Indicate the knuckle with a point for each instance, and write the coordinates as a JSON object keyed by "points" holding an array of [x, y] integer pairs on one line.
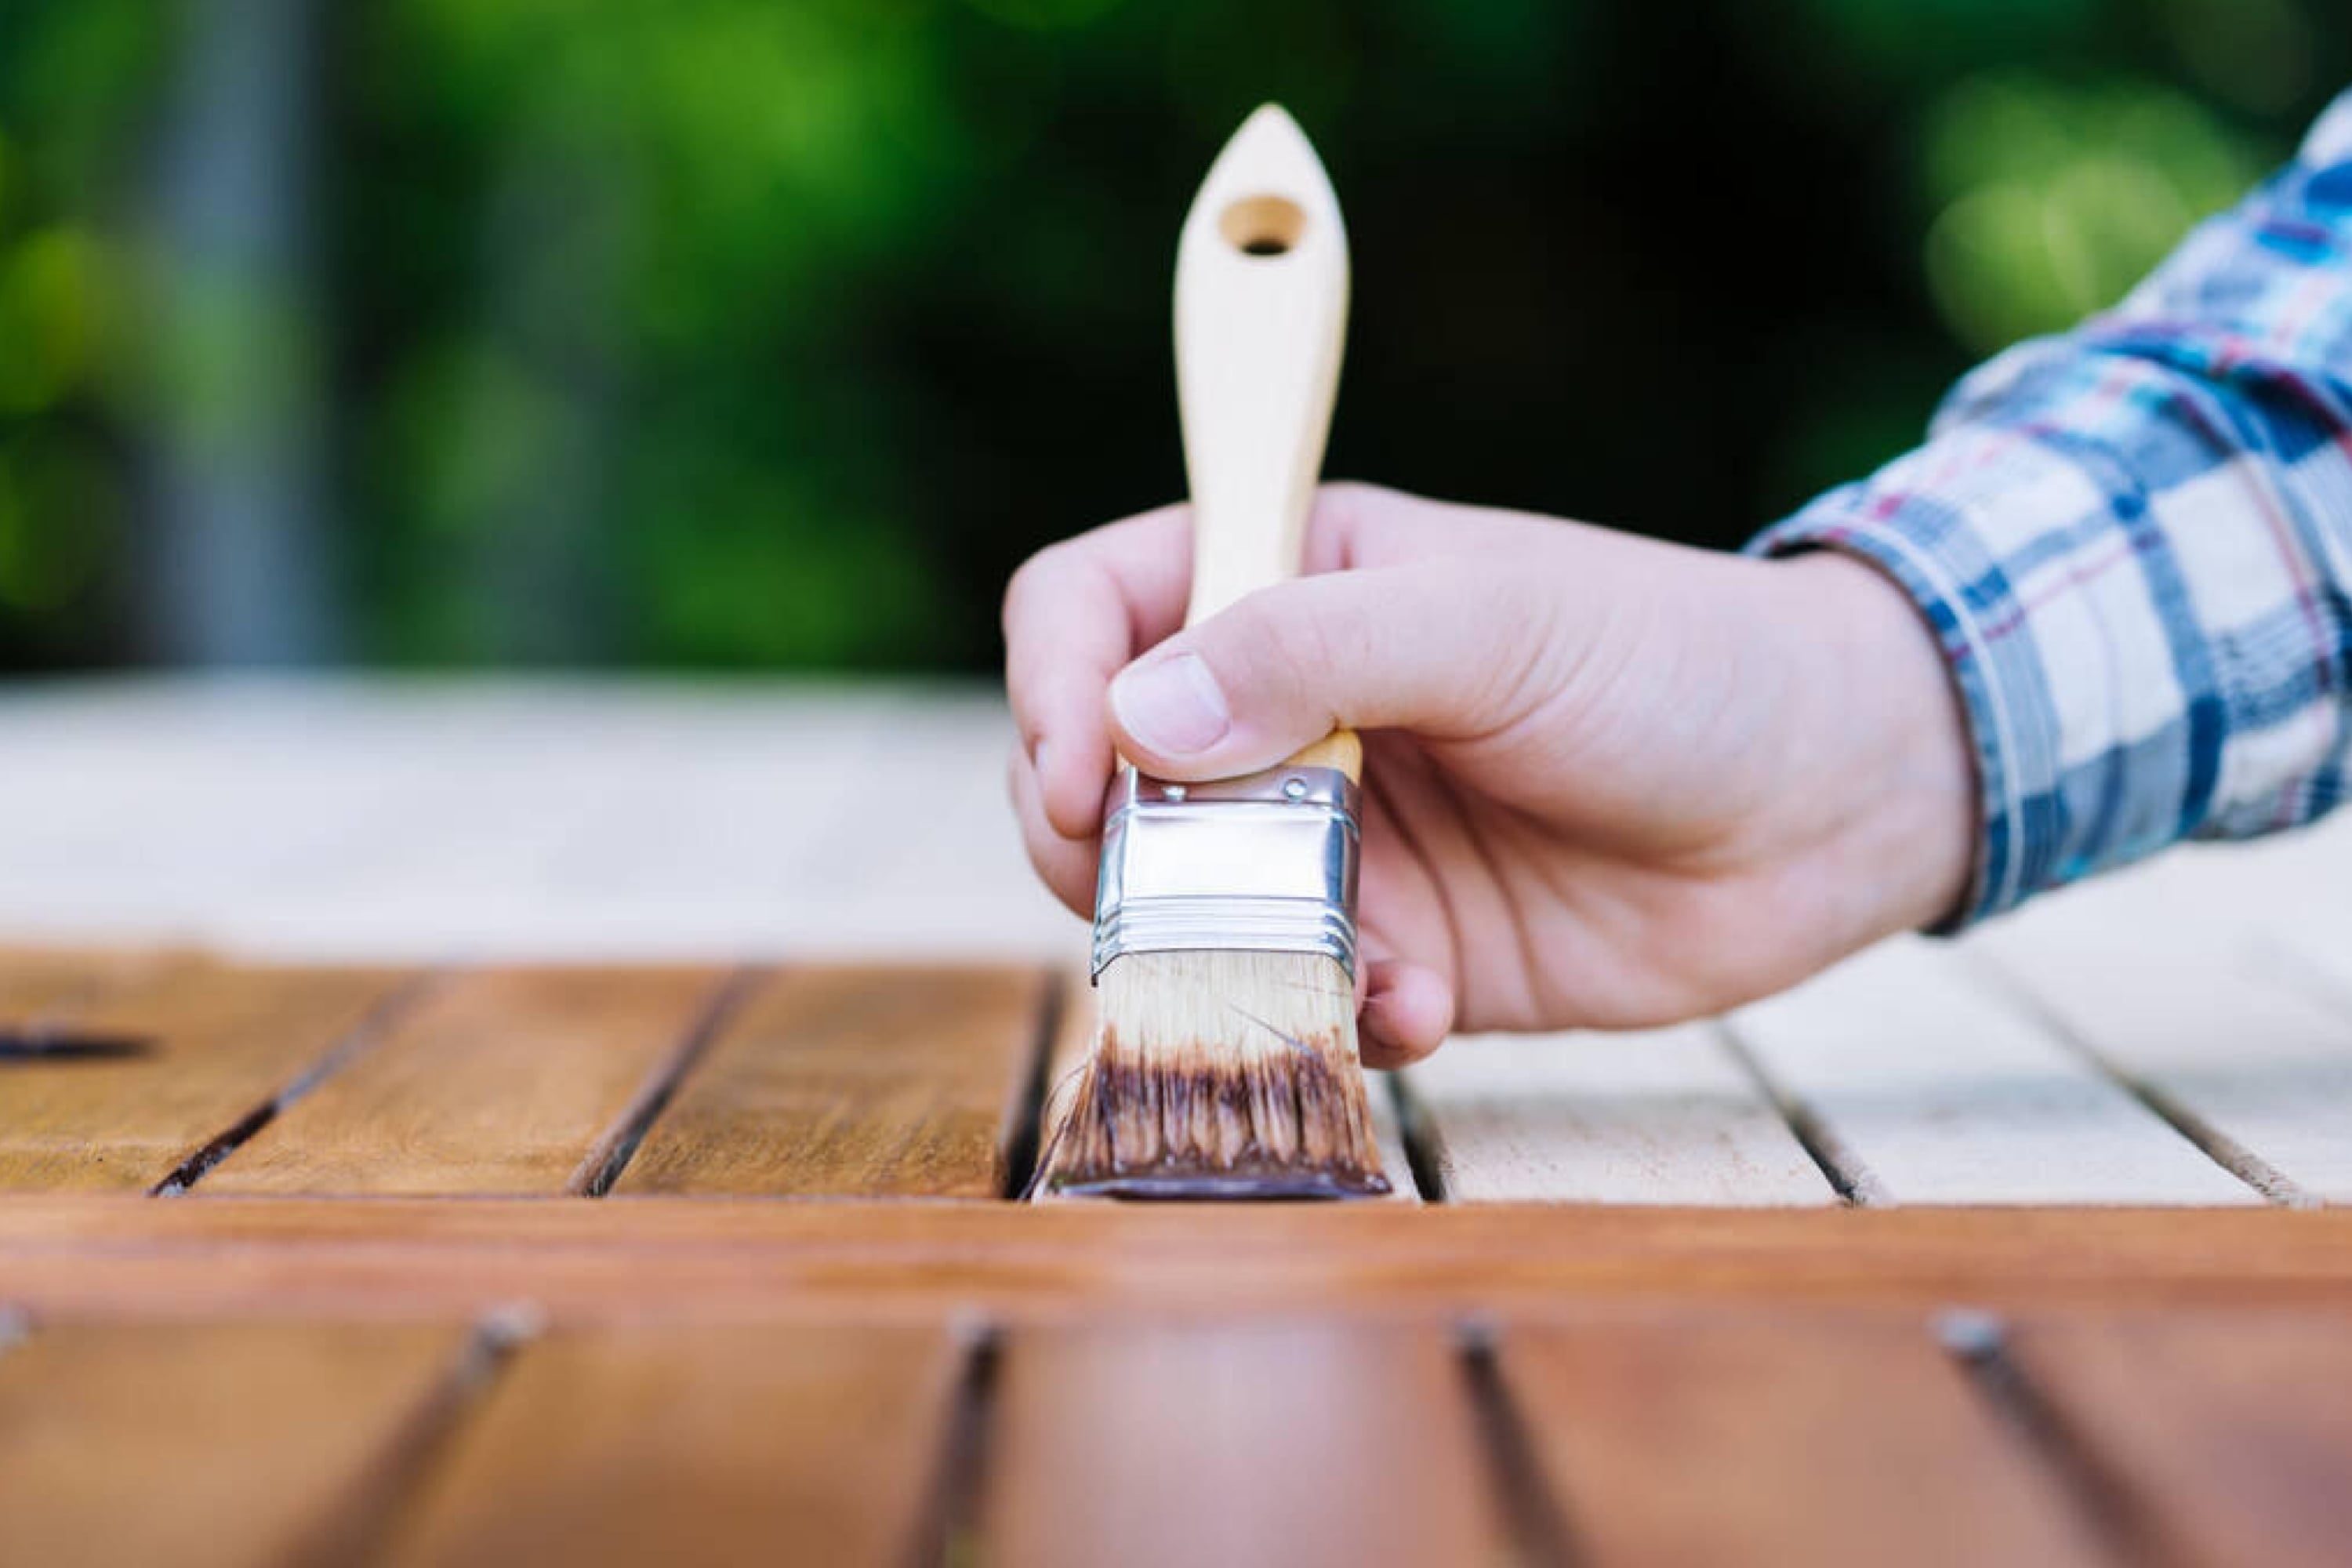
{"points": [[1350, 495], [1341, 511], [1047, 578], [1022, 588]]}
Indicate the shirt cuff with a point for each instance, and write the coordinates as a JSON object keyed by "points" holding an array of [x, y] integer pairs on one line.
{"points": [[1949, 546]]}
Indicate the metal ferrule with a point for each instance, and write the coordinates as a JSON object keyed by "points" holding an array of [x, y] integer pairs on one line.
{"points": [[1265, 863]]}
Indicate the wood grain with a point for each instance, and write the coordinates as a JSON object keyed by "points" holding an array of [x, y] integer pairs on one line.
{"points": [[810, 1444], [870, 1082], [2230, 1435], [502, 1082], [2258, 1070], [703, 1259], [1662, 1116], [1243, 1443], [1926, 1088], [226, 1042], [203, 1444], [1774, 1439], [44, 986]]}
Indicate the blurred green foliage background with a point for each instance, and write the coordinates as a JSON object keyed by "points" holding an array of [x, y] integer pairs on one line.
{"points": [[772, 333]]}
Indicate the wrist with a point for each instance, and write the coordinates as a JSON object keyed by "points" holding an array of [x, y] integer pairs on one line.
{"points": [[1889, 733]]}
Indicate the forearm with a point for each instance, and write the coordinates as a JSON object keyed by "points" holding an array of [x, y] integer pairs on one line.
{"points": [[2133, 546]]}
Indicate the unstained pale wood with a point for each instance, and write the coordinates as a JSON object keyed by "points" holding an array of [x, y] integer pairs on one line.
{"points": [[867, 1082], [204, 1445], [816, 1444], [1924, 1086], [1664, 1116], [2256, 1065], [1823, 1440], [1388, 1131], [226, 1042], [501, 1081], [2228, 1435], [1240, 1444], [330, 817]]}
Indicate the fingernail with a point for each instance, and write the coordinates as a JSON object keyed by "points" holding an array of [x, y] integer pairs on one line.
{"points": [[1172, 705]]}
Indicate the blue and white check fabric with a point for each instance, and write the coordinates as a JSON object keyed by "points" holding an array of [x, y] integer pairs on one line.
{"points": [[2135, 544]]}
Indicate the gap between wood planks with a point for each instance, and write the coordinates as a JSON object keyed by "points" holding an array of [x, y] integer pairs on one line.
{"points": [[358, 1526], [1024, 1137], [379, 1020], [1424, 1168], [950, 1520], [1538, 1526], [956, 1527], [1847, 1176], [1979, 1343], [2217, 1146], [610, 1155], [1535, 1517]]}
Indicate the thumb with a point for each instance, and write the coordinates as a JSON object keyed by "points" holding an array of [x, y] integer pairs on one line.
{"points": [[1443, 648]]}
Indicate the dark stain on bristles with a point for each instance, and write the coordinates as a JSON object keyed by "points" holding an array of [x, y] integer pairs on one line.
{"points": [[1193, 1123]]}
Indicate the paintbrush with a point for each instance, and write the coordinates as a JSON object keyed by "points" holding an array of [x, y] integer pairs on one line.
{"points": [[1224, 1063]]}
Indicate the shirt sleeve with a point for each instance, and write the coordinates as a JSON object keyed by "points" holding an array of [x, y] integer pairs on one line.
{"points": [[2134, 543]]}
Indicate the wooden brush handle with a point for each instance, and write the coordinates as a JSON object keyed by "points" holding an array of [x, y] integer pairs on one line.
{"points": [[1261, 311]]}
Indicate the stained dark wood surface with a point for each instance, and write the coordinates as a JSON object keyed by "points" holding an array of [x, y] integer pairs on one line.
{"points": [[1820, 1438], [715, 1259], [214, 1444], [1264, 1443], [506, 1081], [854, 1083], [2220, 1438], [209, 1053], [818, 1443], [709, 1264]]}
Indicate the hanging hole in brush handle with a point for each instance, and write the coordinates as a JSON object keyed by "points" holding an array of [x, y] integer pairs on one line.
{"points": [[1261, 317], [1262, 225]]}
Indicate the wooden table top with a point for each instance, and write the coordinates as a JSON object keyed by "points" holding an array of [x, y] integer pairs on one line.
{"points": [[405, 1234]]}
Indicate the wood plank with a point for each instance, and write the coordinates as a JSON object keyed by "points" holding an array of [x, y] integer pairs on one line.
{"points": [[196, 1446], [38, 987], [2260, 1070], [328, 818], [1823, 1439], [1926, 1088], [1077, 1024], [861, 1081], [1388, 1136], [2227, 1434], [1074, 1042], [226, 1042], [1281, 1435], [806, 1444], [709, 1259], [1659, 1116], [499, 1082]]}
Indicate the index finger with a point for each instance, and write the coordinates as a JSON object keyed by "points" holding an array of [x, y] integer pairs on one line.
{"points": [[1074, 614]]}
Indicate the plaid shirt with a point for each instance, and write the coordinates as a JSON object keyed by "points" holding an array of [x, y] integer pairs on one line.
{"points": [[2135, 544]]}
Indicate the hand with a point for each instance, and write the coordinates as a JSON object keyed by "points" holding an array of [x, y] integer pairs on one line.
{"points": [[1608, 781]]}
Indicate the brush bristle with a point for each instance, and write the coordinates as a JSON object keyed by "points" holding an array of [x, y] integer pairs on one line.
{"points": [[1218, 1074]]}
